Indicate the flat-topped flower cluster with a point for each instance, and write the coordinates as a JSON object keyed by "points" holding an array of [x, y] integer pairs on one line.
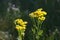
{"points": [[20, 24], [39, 13]]}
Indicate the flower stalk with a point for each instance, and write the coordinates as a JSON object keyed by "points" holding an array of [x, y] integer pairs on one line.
{"points": [[20, 26], [38, 18]]}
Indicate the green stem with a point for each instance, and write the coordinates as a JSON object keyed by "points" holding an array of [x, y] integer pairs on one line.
{"points": [[38, 23], [34, 21], [20, 35], [20, 38], [34, 25]]}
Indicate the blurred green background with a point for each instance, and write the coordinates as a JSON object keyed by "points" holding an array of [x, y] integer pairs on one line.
{"points": [[52, 22]]}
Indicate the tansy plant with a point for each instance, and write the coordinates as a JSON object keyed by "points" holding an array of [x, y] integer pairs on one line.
{"points": [[38, 17], [20, 26]]}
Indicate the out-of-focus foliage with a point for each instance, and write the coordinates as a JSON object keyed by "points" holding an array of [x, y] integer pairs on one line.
{"points": [[26, 6], [5, 36]]}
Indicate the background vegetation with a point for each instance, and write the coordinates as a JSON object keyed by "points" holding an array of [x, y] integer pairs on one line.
{"points": [[51, 25]]}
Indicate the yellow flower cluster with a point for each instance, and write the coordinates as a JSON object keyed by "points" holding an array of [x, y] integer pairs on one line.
{"points": [[22, 24], [39, 14]]}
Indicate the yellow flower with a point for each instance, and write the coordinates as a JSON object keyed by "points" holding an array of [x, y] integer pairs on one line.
{"points": [[20, 27], [22, 24], [20, 21], [45, 13], [41, 18], [40, 9], [38, 13], [32, 15], [25, 22]]}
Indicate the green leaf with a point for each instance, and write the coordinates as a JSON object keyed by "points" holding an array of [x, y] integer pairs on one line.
{"points": [[33, 30], [40, 32], [37, 37]]}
